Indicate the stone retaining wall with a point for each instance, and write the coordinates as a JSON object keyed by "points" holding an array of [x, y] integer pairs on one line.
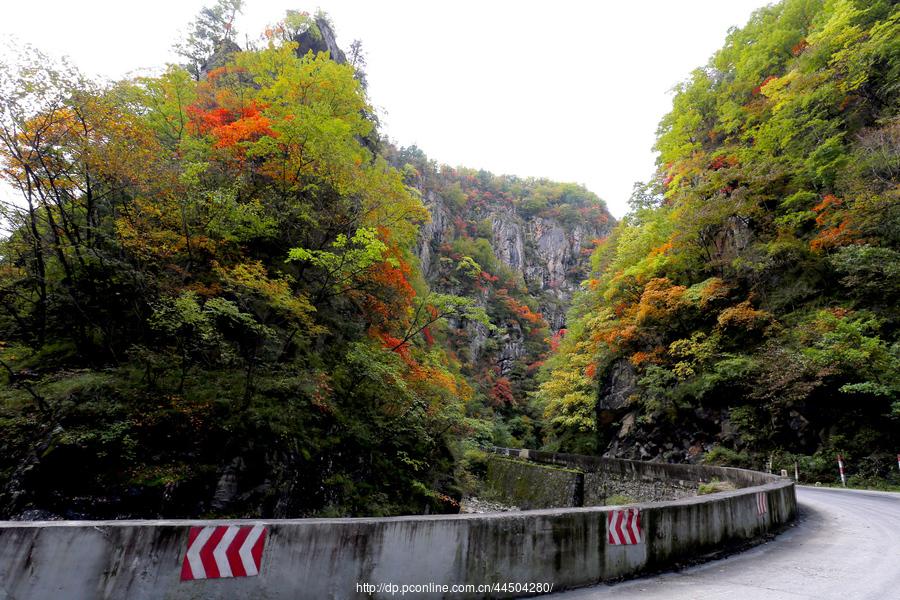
{"points": [[531, 485], [528, 485]]}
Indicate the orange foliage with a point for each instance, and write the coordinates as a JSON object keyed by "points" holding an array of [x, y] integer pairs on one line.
{"points": [[394, 344], [388, 307], [590, 371], [661, 249], [322, 393], [654, 356], [488, 277], [839, 311], [617, 337], [432, 376], [798, 48], [720, 162], [205, 290], [522, 310], [744, 317], [825, 207], [835, 223], [203, 121], [229, 127], [620, 308], [533, 367], [833, 237], [245, 129], [214, 74], [660, 300], [713, 291]]}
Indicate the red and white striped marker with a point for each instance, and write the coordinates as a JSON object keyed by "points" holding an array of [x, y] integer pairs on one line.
{"points": [[841, 469], [223, 551], [762, 503], [623, 527]]}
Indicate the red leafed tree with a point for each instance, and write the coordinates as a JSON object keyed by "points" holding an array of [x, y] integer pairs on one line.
{"points": [[501, 393]]}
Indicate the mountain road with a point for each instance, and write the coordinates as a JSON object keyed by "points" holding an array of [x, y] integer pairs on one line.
{"points": [[845, 545]]}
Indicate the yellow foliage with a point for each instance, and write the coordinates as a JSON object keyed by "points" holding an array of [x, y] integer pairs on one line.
{"points": [[253, 277]]}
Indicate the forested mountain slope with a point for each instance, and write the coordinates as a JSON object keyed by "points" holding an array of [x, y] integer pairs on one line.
{"points": [[748, 304], [520, 248], [224, 294]]}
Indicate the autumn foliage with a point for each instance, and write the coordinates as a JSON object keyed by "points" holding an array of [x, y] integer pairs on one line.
{"points": [[229, 246], [732, 304]]}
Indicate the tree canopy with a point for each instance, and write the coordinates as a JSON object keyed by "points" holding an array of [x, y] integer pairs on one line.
{"points": [[217, 266], [752, 290]]}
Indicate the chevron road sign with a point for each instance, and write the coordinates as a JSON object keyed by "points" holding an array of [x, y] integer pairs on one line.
{"points": [[223, 551], [762, 503], [623, 527]]}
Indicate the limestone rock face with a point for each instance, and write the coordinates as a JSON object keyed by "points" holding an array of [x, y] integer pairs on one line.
{"points": [[620, 384], [558, 262], [732, 239], [433, 233], [322, 40], [552, 257], [508, 239], [220, 57]]}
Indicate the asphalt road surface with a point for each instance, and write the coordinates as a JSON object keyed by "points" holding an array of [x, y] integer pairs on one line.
{"points": [[845, 546]]}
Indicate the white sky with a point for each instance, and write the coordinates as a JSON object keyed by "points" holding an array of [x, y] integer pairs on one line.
{"points": [[570, 90]]}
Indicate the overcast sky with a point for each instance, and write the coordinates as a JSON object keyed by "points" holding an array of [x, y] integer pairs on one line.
{"points": [[570, 90]]}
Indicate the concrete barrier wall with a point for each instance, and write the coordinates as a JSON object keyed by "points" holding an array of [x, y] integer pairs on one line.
{"points": [[327, 558]]}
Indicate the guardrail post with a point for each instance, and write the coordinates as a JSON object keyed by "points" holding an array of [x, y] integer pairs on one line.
{"points": [[841, 469]]}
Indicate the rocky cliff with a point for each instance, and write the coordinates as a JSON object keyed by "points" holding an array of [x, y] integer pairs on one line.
{"points": [[550, 254], [521, 248]]}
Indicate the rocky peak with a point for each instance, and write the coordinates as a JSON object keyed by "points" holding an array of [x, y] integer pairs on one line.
{"points": [[320, 38]]}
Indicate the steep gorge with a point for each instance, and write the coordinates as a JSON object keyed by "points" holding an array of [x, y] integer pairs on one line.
{"points": [[521, 248]]}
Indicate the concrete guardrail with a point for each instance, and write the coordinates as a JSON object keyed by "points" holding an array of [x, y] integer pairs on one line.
{"points": [[514, 553]]}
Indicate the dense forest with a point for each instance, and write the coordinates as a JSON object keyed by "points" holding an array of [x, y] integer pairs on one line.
{"points": [[213, 298], [211, 305], [223, 292], [746, 309]]}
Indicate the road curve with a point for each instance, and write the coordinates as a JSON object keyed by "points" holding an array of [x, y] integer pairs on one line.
{"points": [[844, 546]]}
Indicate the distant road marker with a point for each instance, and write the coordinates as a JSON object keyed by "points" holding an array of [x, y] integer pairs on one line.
{"points": [[762, 503], [841, 470]]}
